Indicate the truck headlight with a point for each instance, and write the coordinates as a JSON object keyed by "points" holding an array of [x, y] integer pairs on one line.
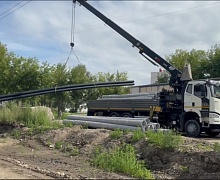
{"points": [[214, 115]]}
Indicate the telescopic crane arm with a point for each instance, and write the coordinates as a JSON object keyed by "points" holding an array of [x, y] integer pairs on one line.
{"points": [[143, 49]]}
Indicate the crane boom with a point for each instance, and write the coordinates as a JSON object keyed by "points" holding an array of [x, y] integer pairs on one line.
{"points": [[146, 52]]}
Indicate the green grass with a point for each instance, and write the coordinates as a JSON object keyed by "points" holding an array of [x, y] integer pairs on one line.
{"points": [[184, 168], [58, 145], [126, 131], [26, 116], [165, 140], [121, 159], [37, 120], [138, 135], [68, 124], [216, 147], [16, 133], [74, 151], [116, 134]]}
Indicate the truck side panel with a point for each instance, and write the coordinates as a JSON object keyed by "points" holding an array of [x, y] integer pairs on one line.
{"points": [[122, 105]]}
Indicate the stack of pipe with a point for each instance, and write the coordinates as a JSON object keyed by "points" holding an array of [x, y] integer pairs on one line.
{"points": [[113, 122], [130, 96]]}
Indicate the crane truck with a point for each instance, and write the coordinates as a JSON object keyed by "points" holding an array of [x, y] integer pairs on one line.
{"points": [[192, 107]]}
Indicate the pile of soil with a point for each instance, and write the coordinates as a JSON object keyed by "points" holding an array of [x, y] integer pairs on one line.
{"points": [[49, 155]]}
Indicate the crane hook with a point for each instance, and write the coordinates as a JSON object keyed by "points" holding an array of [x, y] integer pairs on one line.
{"points": [[72, 44]]}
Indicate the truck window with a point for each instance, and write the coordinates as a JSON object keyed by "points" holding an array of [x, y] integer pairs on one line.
{"points": [[200, 90], [189, 89]]}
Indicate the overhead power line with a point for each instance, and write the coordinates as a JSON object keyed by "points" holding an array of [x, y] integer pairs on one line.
{"points": [[94, 28], [11, 8], [173, 12], [15, 10]]}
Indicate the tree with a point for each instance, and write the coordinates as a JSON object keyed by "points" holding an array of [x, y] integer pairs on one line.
{"points": [[79, 75], [163, 78], [60, 76], [213, 65], [108, 77], [6, 68], [196, 58], [22, 74], [46, 81]]}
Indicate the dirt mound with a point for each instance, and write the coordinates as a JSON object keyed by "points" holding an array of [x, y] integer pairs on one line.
{"points": [[84, 139], [195, 159], [71, 147]]}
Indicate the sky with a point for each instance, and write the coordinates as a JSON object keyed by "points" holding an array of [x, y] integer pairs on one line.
{"points": [[42, 29]]}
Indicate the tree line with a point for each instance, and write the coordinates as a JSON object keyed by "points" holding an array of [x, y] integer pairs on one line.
{"points": [[22, 74], [204, 64]]}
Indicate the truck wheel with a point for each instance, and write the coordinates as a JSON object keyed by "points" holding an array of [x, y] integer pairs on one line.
{"points": [[114, 114], [211, 134], [192, 128], [128, 115]]}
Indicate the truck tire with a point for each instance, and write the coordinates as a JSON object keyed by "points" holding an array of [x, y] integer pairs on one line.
{"points": [[210, 133], [114, 114], [192, 128], [127, 115]]}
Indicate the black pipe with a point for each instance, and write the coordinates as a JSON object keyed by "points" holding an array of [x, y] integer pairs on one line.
{"points": [[63, 87], [26, 94]]}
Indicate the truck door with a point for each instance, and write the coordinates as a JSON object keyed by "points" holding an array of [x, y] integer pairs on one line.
{"points": [[195, 98]]}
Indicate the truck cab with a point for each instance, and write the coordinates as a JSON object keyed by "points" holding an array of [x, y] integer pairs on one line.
{"points": [[201, 108]]}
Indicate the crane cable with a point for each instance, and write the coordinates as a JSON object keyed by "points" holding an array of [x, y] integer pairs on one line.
{"points": [[72, 33], [73, 24]]}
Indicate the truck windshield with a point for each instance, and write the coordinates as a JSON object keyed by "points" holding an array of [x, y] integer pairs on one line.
{"points": [[216, 91]]}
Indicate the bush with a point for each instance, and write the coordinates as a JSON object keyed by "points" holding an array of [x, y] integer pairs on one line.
{"points": [[58, 145], [16, 133], [121, 159], [138, 135], [164, 140], [32, 118], [216, 147], [116, 134]]}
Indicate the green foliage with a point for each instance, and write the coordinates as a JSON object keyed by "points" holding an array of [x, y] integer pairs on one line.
{"points": [[165, 140], [32, 118], [138, 135], [107, 77], [195, 58], [213, 65], [163, 78], [203, 63], [58, 145], [16, 133], [68, 124], [204, 147], [74, 151], [126, 131], [216, 147], [116, 134], [85, 126], [21, 74], [121, 159], [184, 168]]}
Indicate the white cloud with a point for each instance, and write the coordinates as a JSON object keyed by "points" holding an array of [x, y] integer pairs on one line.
{"points": [[42, 29]]}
